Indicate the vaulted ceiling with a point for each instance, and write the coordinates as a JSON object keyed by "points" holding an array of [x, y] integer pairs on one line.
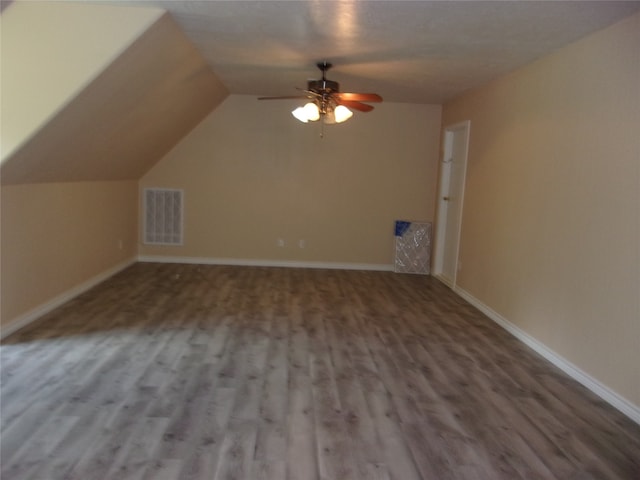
{"points": [[121, 115]]}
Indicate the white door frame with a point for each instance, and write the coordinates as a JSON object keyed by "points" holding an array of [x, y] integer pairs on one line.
{"points": [[442, 204]]}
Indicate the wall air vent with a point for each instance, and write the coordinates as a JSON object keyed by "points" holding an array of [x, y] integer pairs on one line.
{"points": [[163, 216]]}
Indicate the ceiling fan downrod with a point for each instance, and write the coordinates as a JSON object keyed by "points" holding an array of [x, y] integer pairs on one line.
{"points": [[323, 86]]}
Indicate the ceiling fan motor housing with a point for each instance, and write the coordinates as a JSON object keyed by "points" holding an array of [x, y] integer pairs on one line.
{"points": [[323, 86]]}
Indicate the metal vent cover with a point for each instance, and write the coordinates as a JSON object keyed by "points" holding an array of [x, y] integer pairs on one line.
{"points": [[163, 214]]}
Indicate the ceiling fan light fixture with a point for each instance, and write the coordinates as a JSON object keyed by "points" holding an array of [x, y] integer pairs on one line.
{"points": [[342, 114], [308, 113], [312, 111], [329, 117], [300, 114], [326, 103]]}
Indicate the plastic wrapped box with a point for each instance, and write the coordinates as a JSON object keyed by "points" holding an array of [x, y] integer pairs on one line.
{"points": [[413, 247]]}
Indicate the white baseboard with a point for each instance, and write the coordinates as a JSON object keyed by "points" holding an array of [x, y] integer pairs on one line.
{"points": [[266, 263], [614, 399], [26, 318]]}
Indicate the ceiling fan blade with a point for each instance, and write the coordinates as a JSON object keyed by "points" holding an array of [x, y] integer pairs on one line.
{"points": [[363, 107], [311, 93], [360, 97], [283, 98]]}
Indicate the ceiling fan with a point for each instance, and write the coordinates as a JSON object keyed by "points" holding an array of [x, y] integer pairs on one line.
{"points": [[326, 102]]}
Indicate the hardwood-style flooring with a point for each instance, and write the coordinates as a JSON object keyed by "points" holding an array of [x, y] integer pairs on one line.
{"points": [[191, 372]]}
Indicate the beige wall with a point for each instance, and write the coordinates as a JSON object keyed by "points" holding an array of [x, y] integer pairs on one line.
{"points": [[57, 236], [550, 234], [253, 174]]}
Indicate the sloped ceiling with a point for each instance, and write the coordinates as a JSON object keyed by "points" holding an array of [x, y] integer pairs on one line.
{"points": [[126, 118]]}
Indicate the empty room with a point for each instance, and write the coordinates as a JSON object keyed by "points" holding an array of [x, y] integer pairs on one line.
{"points": [[319, 240]]}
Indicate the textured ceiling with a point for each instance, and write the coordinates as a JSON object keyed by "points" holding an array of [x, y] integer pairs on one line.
{"points": [[415, 51]]}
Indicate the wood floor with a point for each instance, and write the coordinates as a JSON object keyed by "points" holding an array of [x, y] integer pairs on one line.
{"points": [[214, 372]]}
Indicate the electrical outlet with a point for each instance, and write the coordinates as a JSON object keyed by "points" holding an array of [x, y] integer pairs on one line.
{"points": [[280, 242], [302, 243]]}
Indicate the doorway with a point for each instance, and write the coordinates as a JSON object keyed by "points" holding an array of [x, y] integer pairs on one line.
{"points": [[453, 169]]}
